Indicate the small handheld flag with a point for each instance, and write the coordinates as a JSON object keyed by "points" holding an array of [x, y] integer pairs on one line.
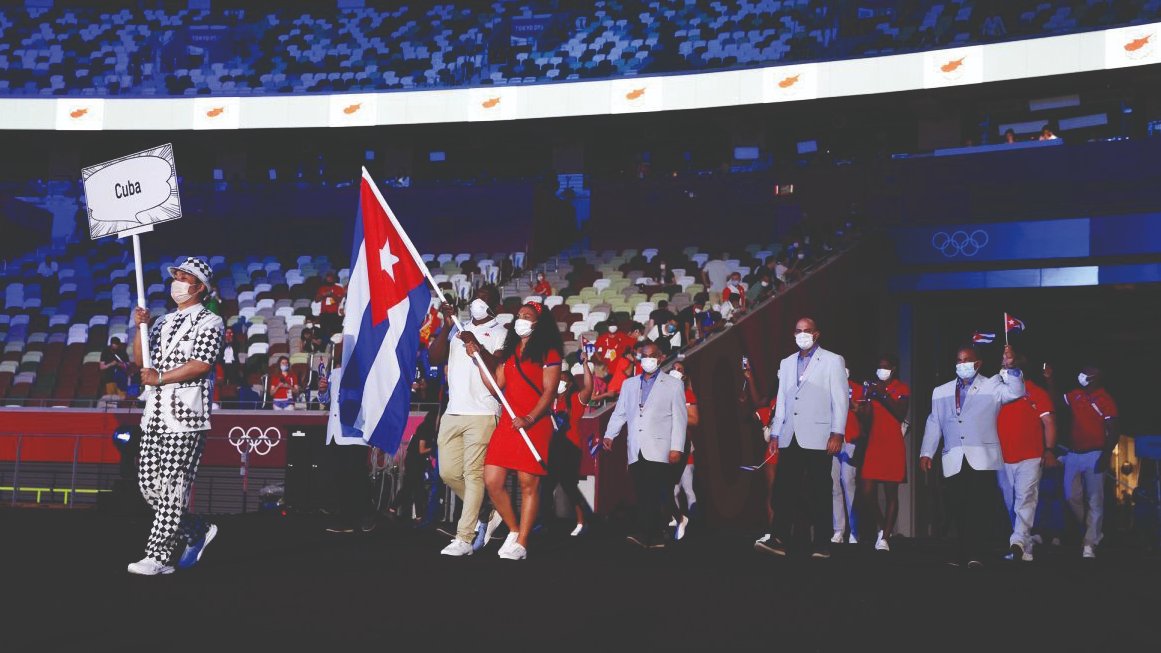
{"points": [[1012, 325], [981, 338]]}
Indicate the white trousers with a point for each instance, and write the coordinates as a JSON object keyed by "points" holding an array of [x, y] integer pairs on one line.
{"points": [[1020, 485], [842, 492], [686, 485], [1084, 488]]}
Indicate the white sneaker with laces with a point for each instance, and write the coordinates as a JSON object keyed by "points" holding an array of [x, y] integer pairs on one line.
{"points": [[458, 548], [881, 543], [149, 567], [493, 524], [1088, 552], [681, 528], [514, 552], [837, 538]]}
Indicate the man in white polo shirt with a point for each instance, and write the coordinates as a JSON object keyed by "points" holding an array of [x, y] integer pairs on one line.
{"points": [[472, 410]]}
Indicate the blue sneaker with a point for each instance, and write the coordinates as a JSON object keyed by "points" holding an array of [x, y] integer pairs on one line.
{"points": [[193, 552], [481, 539]]}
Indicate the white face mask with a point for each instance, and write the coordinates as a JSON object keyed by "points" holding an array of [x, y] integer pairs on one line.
{"points": [[804, 340], [522, 327], [640, 338], [801, 255], [662, 266], [179, 291], [613, 329], [965, 371], [733, 283], [649, 365], [561, 387], [1082, 379], [478, 309], [285, 368], [677, 375], [883, 374]]}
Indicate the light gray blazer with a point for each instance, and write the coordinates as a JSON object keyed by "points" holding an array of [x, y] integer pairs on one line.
{"points": [[972, 433], [656, 428], [812, 410]]}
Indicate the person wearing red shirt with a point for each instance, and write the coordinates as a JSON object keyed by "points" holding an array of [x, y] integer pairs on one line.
{"points": [[541, 287], [764, 413], [684, 481], [1027, 430], [564, 453], [843, 472], [283, 386], [330, 295], [885, 461], [528, 374], [609, 344], [1094, 434]]}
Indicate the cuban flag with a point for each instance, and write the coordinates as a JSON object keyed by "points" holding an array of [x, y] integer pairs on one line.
{"points": [[1012, 325], [387, 302], [981, 338]]}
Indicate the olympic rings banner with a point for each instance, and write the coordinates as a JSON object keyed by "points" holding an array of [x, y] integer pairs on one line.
{"points": [[994, 241]]}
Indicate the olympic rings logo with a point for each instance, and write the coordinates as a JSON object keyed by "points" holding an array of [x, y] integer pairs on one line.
{"points": [[255, 439], [960, 242]]}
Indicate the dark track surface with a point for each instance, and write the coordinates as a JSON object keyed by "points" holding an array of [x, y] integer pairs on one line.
{"points": [[271, 583]]}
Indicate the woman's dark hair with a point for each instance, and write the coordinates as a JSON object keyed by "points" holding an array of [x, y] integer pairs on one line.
{"points": [[545, 338], [893, 359]]}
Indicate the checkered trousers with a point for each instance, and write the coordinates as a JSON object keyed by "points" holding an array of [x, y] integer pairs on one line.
{"points": [[166, 470]]}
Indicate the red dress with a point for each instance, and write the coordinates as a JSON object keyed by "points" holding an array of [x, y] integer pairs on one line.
{"points": [[886, 458], [507, 448]]}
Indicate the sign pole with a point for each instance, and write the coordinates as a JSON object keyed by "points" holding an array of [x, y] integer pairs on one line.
{"points": [[143, 328]]}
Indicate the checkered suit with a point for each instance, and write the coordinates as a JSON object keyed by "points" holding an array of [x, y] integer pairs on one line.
{"points": [[174, 423]]}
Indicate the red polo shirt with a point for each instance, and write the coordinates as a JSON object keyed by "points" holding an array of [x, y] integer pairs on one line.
{"points": [[1020, 424], [1089, 412]]}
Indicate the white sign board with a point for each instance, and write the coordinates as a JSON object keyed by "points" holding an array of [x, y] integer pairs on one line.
{"points": [[131, 194]]}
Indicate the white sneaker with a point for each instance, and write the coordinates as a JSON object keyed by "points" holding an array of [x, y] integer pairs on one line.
{"points": [[881, 543], [1088, 552], [149, 567], [514, 552], [493, 524], [1027, 557], [673, 522], [458, 548], [681, 528], [837, 538], [852, 539], [578, 531], [762, 540], [508, 542]]}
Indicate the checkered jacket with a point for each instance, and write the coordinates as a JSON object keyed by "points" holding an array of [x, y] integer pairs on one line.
{"points": [[180, 407]]}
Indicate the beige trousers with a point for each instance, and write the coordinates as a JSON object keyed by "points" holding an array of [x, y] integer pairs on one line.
{"points": [[463, 441]]}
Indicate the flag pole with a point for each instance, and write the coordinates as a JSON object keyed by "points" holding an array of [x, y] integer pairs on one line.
{"points": [[1005, 329], [491, 380]]}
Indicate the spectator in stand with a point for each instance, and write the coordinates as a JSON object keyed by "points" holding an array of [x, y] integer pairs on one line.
{"points": [[608, 344], [731, 307], [114, 369], [734, 286], [1009, 136], [541, 287], [48, 267], [667, 336], [662, 314], [1047, 133], [761, 289], [564, 453], [331, 295], [664, 275], [312, 339], [696, 318], [528, 375], [1027, 429], [715, 274], [1095, 432], [621, 369], [231, 363], [283, 386], [885, 462]]}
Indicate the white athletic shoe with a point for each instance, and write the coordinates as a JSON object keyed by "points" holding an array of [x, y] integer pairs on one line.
{"points": [[837, 538], [493, 524], [853, 539], [514, 552], [508, 542], [681, 528], [762, 540], [1088, 552], [149, 567], [673, 523], [1027, 557], [458, 548], [881, 543], [578, 531]]}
